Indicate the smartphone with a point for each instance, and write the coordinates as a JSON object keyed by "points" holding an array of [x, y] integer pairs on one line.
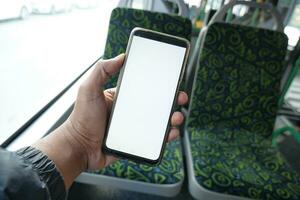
{"points": [[146, 93]]}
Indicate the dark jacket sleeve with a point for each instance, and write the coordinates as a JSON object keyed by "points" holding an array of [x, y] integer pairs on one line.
{"points": [[29, 174]]}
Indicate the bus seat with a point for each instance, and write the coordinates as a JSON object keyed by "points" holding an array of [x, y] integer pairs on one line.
{"points": [[166, 178], [219, 16], [228, 132]]}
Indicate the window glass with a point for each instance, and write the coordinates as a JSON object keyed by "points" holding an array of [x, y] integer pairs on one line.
{"points": [[172, 7], [240, 10], [254, 17], [137, 4], [213, 4], [293, 27], [193, 2], [295, 19], [45, 45]]}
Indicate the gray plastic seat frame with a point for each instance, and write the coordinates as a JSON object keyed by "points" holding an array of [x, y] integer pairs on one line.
{"points": [[166, 190]]}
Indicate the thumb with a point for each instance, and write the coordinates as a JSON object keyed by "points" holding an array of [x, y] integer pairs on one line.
{"points": [[104, 69]]}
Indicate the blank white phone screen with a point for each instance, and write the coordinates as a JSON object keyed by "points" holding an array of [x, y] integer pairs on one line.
{"points": [[142, 109]]}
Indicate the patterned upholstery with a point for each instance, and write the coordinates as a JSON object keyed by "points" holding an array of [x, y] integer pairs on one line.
{"points": [[169, 171], [122, 21], [232, 114]]}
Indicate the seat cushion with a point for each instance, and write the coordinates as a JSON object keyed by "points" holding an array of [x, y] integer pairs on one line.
{"points": [[241, 163], [169, 171]]}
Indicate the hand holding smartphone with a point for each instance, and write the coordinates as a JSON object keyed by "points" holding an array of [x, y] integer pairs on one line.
{"points": [[146, 94]]}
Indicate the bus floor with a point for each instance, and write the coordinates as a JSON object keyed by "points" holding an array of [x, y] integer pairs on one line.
{"points": [[80, 191]]}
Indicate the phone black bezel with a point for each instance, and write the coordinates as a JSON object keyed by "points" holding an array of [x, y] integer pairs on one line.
{"points": [[157, 36]]}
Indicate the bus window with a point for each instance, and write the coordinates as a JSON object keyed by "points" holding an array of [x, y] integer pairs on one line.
{"points": [[293, 27], [213, 4], [137, 4], [42, 54]]}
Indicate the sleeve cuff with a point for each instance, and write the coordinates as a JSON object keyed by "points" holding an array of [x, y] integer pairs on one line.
{"points": [[46, 170]]}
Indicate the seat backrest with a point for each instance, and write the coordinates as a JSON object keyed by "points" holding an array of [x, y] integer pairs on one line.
{"points": [[219, 16], [237, 81], [123, 20]]}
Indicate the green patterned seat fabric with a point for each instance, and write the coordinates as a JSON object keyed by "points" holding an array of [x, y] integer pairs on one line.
{"points": [[169, 171], [232, 114], [122, 21]]}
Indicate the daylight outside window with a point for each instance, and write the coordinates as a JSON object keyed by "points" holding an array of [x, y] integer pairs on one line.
{"points": [[293, 27], [44, 46]]}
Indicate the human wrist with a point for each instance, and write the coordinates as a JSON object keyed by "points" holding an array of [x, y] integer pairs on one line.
{"points": [[77, 145], [65, 151], [89, 141]]}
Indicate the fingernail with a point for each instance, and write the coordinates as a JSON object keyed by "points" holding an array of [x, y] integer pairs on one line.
{"points": [[121, 55]]}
